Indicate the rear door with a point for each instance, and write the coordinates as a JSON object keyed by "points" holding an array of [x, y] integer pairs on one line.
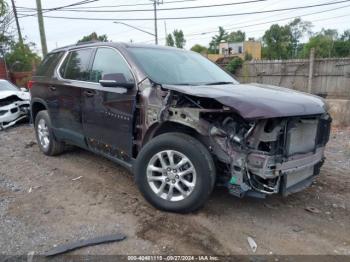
{"points": [[108, 111], [43, 81], [74, 74]]}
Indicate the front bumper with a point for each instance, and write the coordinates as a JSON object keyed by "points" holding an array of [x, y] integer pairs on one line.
{"points": [[11, 114]]}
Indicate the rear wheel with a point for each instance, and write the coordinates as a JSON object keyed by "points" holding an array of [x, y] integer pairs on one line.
{"points": [[44, 135], [175, 172]]}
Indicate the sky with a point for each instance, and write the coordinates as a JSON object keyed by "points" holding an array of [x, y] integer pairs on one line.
{"points": [[61, 32]]}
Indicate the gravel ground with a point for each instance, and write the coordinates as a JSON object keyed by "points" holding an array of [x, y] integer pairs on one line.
{"points": [[41, 206]]}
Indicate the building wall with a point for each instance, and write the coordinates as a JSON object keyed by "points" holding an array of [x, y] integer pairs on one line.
{"points": [[240, 48], [3, 72], [253, 48]]}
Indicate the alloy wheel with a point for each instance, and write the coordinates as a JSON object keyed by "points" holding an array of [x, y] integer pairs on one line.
{"points": [[43, 134], [171, 175]]}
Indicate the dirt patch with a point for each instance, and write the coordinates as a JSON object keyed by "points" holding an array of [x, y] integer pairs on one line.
{"points": [[43, 204]]}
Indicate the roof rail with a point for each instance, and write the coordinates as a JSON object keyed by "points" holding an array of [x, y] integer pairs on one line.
{"points": [[88, 42]]}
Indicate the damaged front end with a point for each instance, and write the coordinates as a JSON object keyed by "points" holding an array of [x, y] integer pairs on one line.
{"points": [[270, 156], [255, 156], [12, 110]]}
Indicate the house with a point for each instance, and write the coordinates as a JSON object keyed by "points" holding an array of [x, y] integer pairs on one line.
{"points": [[240, 49], [3, 69]]}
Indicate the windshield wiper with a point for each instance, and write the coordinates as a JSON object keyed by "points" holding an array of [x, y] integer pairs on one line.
{"points": [[218, 83], [185, 84]]}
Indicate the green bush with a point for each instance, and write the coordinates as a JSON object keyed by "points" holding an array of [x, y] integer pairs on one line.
{"points": [[234, 64]]}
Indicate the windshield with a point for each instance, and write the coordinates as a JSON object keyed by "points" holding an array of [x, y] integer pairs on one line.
{"points": [[7, 86], [178, 67]]}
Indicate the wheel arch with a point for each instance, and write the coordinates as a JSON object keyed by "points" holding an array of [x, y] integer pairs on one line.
{"points": [[167, 127], [37, 105]]}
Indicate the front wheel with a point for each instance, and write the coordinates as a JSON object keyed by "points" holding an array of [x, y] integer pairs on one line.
{"points": [[175, 172]]}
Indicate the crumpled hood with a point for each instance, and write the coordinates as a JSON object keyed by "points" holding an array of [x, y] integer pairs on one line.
{"points": [[257, 100], [22, 95]]}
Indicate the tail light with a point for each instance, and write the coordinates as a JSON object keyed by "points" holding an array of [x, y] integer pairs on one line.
{"points": [[30, 84]]}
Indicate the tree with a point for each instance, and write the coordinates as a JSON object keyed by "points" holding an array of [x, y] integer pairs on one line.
{"points": [[170, 40], [94, 37], [322, 44], [179, 38], [3, 8], [278, 42], [236, 36], [21, 57], [6, 38], [234, 64], [331, 33], [345, 36], [341, 48], [298, 29], [216, 40], [327, 43], [199, 49]]}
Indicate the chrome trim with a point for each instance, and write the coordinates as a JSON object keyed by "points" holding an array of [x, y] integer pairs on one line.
{"points": [[94, 47]]}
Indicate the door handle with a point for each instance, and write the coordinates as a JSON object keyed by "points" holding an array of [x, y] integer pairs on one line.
{"points": [[89, 93], [52, 88]]}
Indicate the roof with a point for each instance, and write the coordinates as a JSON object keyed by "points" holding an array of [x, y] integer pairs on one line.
{"points": [[114, 44]]}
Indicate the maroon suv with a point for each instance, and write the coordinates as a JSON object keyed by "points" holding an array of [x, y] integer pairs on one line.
{"points": [[179, 122]]}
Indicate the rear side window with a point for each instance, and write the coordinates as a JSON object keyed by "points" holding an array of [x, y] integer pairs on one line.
{"points": [[110, 65], [48, 65], [76, 66]]}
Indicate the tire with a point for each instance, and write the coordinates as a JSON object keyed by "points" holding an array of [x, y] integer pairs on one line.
{"points": [[43, 130], [196, 177]]}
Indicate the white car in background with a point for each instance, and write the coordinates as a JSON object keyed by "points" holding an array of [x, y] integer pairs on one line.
{"points": [[14, 104]]}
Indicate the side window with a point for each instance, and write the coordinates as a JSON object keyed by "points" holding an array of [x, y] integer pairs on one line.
{"points": [[48, 65], [77, 67], [110, 65]]}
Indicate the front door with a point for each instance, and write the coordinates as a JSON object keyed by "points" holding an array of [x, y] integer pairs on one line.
{"points": [[107, 112]]}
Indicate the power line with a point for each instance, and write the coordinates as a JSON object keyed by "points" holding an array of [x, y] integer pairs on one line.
{"points": [[17, 23], [61, 7], [109, 6], [196, 17], [273, 21], [161, 9]]}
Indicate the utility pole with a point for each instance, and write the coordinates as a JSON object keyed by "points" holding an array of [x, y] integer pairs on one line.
{"points": [[17, 23], [311, 70], [155, 2], [41, 27]]}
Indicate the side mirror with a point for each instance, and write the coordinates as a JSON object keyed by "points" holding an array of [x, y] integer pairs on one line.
{"points": [[23, 89], [114, 83], [115, 80]]}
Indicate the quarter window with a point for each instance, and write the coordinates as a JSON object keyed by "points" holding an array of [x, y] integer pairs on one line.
{"points": [[77, 65], [49, 64], [110, 65]]}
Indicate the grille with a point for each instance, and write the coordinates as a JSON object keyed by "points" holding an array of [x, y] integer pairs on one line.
{"points": [[301, 137], [9, 100]]}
